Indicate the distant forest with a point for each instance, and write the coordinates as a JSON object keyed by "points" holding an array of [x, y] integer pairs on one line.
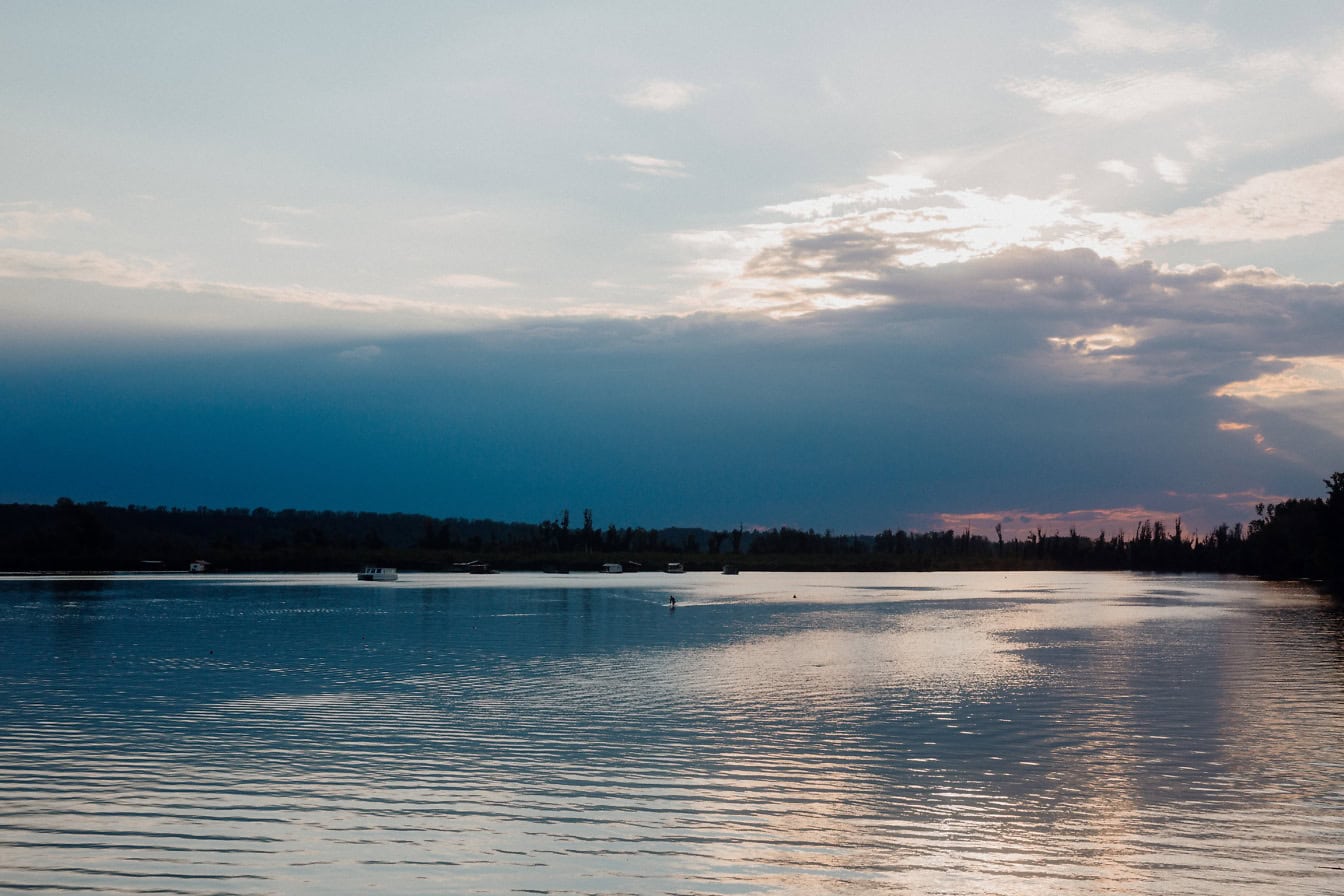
{"points": [[1299, 538]]}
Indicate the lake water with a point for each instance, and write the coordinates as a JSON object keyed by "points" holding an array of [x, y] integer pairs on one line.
{"points": [[1029, 733]]}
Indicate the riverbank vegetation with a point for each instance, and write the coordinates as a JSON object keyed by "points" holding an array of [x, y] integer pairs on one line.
{"points": [[1298, 538]]}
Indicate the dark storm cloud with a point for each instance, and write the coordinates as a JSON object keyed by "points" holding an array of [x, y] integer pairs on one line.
{"points": [[1183, 322], [1036, 381]]}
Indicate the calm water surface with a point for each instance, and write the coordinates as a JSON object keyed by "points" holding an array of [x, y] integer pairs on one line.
{"points": [[1033, 733]]}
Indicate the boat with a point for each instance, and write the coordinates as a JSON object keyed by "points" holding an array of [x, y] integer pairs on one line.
{"points": [[612, 567], [729, 570], [675, 567], [377, 574]]}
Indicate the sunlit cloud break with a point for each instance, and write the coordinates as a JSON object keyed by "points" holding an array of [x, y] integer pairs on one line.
{"points": [[832, 245], [1298, 376], [1021, 523]]}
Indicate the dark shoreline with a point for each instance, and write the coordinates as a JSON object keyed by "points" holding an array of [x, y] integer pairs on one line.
{"points": [[1299, 539]]}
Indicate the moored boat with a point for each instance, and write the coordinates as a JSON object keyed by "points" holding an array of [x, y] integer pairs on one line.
{"points": [[377, 574]]}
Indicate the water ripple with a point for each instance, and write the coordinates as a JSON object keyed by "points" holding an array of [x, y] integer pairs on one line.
{"points": [[1047, 735]]}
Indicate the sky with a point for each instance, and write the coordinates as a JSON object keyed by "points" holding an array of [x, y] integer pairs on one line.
{"points": [[849, 266]]}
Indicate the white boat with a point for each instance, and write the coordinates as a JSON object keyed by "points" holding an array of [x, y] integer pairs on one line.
{"points": [[377, 574], [612, 567], [675, 567]]}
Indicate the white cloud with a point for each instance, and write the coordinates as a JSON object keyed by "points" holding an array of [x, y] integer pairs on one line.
{"points": [[84, 267], [1101, 30], [1170, 171], [145, 274], [1278, 205], [1202, 148], [646, 165], [1273, 65], [1121, 168], [817, 253], [470, 281], [891, 188], [32, 220], [1329, 78], [1122, 99], [661, 95], [269, 233]]}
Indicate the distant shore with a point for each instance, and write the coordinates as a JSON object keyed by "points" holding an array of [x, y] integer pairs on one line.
{"points": [[1296, 539]]}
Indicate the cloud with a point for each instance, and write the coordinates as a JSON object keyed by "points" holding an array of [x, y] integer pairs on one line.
{"points": [[85, 267], [661, 95], [1031, 379], [1109, 31], [1170, 171], [1202, 148], [1121, 168], [1062, 293], [835, 250], [156, 277], [1328, 79], [1124, 98], [471, 281], [889, 189], [1296, 377], [1273, 206], [1107, 342], [270, 233], [857, 420], [1068, 281], [645, 165], [33, 220]]}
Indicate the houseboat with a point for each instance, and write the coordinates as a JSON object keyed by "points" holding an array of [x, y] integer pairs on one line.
{"points": [[377, 574]]}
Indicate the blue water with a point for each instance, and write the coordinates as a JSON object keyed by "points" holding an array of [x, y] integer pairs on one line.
{"points": [[1030, 733]]}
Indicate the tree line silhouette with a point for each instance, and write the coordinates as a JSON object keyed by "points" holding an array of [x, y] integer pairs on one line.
{"points": [[1298, 538]]}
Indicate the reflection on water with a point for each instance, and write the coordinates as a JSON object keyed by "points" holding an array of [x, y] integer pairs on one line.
{"points": [[1035, 733]]}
